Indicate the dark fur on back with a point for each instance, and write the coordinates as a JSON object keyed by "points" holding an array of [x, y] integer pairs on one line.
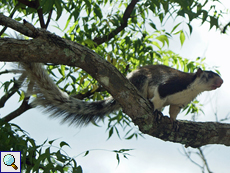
{"points": [[169, 80], [138, 80], [175, 84]]}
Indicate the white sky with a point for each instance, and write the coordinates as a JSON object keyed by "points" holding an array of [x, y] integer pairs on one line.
{"points": [[149, 154]]}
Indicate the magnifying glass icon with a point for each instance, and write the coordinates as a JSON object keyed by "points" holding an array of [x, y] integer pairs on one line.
{"points": [[9, 160]]}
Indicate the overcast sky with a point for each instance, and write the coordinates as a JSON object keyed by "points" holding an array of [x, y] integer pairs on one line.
{"points": [[149, 154]]}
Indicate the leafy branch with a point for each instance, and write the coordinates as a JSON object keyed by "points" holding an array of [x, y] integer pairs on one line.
{"points": [[139, 109], [123, 24]]}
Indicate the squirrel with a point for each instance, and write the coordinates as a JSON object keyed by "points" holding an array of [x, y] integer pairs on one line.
{"points": [[161, 84]]}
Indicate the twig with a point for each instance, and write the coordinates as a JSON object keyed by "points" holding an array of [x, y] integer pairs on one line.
{"points": [[11, 71], [35, 4], [204, 160], [11, 16], [124, 22], [49, 17], [15, 87], [188, 156], [24, 107]]}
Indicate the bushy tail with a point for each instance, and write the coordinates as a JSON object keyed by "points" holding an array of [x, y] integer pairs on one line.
{"points": [[57, 102]]}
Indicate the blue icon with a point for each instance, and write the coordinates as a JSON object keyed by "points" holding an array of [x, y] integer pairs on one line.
{"points": [[9, 160]]}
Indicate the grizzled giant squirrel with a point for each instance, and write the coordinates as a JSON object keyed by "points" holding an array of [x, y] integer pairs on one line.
{"points": [[162, 85]]}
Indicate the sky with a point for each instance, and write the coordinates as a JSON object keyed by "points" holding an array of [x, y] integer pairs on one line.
{"points": [[150, 154]]}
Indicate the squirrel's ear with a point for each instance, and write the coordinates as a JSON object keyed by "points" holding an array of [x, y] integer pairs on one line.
{"points": [[199, 72]]}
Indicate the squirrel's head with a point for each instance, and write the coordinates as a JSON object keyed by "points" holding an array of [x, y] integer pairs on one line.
{"points": [[208, 80]]}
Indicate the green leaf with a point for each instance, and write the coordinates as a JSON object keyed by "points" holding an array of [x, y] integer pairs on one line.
{"points": [[153, 25], [86, 153], [63, 70], [51, 142], [22, 96], [130, 137], [110, 132], [163, 39], [78, 170], [117, 132], [175, 28], [156, 44], [18, 19], [97, 11], [47, 6], [59, 8], [72, 27], [205, 15], [63, 144], [182, 37], [60, 157], [213, 22], [118, 158], [190, 28]]}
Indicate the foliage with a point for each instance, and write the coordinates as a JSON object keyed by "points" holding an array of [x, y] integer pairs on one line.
{"points": [[128, 34], [36, 158], [121, 152]]}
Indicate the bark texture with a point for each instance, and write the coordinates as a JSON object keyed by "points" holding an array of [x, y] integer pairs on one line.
{"points": [[46, 47]]}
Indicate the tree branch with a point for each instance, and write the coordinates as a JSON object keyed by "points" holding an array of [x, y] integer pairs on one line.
{"points": [[49, 48], [15, 87], [49, 17], [124, 22], [8, 22], [204, 160], [24, 107], [35, 4], [11, 16]]}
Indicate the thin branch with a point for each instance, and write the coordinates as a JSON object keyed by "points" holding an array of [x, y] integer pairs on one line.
{"points": [[204, 160], [227, 117], [49, 17], [11, 71], [24, 107], [50, 48], [13, 90], [188, 156], [124, 23], [35, 4], [41, 19]]}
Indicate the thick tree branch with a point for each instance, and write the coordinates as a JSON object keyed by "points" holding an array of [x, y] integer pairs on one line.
{"points": [[11, 16], [49, 48], [124, 22], [8, 22]]}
